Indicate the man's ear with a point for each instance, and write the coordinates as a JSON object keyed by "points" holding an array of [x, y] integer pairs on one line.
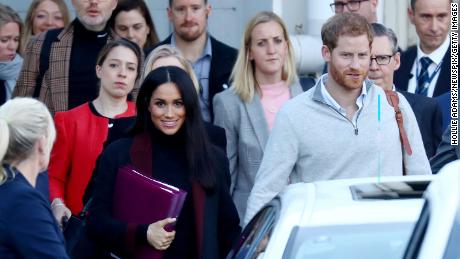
{"points": [[374, 4], [170, 13], [397, 58], [326, 53], [411, 14], [208, 10], [114, 5]]}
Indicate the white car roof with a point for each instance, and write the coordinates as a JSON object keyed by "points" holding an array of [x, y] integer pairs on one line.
{"points": [[331, 203]]}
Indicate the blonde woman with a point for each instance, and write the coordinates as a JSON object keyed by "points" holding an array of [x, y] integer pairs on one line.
{"points": [[27, 226], [44, 15], [264, 78], [165, 55]]}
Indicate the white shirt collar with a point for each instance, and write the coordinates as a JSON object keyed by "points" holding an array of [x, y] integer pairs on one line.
{"points": [[330, 100], [437, 55]]}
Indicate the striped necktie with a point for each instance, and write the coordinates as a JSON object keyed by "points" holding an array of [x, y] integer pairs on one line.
{"points": [[423, 78]]}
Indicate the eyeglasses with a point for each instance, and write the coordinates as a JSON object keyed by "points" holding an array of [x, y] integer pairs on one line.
{"points": [[382, 59], [352, 6]]}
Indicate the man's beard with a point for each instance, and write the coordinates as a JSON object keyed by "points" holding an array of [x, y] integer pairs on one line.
{"points": [[188, 35], [344, 80], [98, 21]]}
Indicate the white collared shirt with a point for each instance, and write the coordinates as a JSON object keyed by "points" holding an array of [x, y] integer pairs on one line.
{"points": [[333, 103], [436, 56]]}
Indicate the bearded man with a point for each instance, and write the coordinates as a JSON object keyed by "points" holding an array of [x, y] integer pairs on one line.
{"points": [[211, 59], [70, 79], [344, 127]]}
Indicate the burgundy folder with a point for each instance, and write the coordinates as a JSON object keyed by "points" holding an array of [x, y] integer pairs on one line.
{"points": [[142, 200]]}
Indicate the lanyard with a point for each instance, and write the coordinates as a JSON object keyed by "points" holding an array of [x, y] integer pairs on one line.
{"points": [[430, 78]]}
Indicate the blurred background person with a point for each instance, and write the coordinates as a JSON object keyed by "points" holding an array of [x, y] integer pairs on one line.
{"points": [[83, 131], [165, 55], [385, 60], [366, 8], [425, 68], [169, 143], [44, 15], [264, 78], [132, 20], [27, 226], [10, 59], [211, 59], [69, 80]]}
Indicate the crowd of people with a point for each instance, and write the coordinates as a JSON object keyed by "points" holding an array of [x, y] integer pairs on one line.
{"points": [[81, 99]]}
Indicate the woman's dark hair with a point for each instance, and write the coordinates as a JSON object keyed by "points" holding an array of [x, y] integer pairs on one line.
{"points": [[197, 146], [139, 5]]}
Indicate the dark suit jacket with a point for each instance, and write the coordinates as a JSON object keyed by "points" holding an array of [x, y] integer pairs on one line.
{"points": [[222, 61], [444, 101], [445, 154], [403, 74], [216, 135], [429, 118]]}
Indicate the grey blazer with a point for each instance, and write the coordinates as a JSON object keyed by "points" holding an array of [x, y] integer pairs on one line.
{"points": [[247, 134]]}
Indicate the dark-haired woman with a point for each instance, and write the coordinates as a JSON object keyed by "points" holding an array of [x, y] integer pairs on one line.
{"points": [[82, 131], [131, 20], [168, 142]]}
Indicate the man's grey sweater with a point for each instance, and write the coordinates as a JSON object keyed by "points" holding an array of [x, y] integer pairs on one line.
{"points": [[311, 141]]}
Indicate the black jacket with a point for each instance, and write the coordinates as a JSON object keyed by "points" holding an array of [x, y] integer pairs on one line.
{"points": [[429, 118], [403, 74], [217, 222]]}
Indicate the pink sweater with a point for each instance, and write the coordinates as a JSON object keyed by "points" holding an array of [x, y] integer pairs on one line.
{"points": [[273, 97]]}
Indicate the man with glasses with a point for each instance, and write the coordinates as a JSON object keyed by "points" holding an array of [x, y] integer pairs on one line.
{"points": [[211, 59], [70, 79], [385, 60], [425, 68], [339, 128], [366, 8]]}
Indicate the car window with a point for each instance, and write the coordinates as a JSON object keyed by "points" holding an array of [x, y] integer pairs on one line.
{"points": [[254, 239], [389, 190], [385, 240]]}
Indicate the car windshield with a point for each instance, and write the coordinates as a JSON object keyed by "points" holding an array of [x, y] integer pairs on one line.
{"points": [[382, 240]]}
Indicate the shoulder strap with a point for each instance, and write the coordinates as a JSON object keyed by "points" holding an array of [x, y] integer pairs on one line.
{"points": [[393, 100], [45, 52]]}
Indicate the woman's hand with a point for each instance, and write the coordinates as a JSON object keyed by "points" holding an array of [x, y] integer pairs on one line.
{"points": [[60, 211], [158, 237]]}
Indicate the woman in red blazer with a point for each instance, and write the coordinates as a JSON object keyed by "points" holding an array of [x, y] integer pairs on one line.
{"points": [[82, 131]]}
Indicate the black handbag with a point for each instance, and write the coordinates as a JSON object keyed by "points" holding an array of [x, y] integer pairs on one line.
{"points": [[78, 244]]}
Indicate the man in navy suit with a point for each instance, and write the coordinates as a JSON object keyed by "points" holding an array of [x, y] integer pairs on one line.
{"points": [[211, 59], [425, 68], [385, 60]]}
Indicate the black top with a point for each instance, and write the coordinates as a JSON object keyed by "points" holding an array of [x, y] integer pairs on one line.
{"points": [[27, 226], [83, 82], [2, 91], [170, 166]]}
